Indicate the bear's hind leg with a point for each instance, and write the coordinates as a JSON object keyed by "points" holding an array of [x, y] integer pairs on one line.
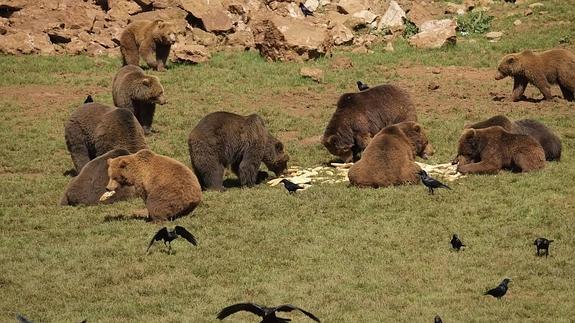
{"points": [[526, 162], [567, 93], [129, 50]]}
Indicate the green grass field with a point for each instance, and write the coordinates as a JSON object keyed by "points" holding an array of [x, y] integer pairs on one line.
{"points": [[345, 254]]}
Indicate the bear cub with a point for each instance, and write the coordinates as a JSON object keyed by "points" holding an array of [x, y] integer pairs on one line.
{"points": [[222, 139]]}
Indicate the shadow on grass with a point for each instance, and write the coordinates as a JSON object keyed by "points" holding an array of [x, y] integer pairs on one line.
{"points": [[123, 217]]}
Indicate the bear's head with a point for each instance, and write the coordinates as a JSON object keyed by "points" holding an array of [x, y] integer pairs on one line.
{"points": [[418, 138], [150, 90], [339, 146], [510, 65], [469, 148], [275, 158], [165, 32], [123, 170]]}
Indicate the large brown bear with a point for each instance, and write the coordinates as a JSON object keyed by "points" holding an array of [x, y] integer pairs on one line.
{"points": [[169, 188], [555, 66], [90, 184], [547, 139], [223, 139], [139, 93], [94, 129], [151, 40], [487, 151], [359, 116], [389, 159]]}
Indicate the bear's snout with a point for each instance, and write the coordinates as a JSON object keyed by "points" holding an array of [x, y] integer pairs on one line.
{"points": [[112, 185], [499, 75], [161, 100]]}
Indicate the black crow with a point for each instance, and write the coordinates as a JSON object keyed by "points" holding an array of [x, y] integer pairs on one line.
{"points": [[267, 313], [500, 290], [291, 186], [437, 319], [456, 243], [306, 12], [362, 86], [22, 319], [88, 99], [542, 244], [169, 235], [430, 182]]}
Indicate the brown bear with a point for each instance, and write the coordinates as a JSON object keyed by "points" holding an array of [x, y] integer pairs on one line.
{"points": [[94, 129], [90, 184], [555, 66], [547, 139], [169, 188], [223, 139], [360, 115], [488, 150], [139, 93], [389, 159], [151, 40]]}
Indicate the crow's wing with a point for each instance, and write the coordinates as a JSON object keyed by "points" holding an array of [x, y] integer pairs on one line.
{"points": [[182, 232], [249, 307], [289, 308], [22, 319], [161, 234]]}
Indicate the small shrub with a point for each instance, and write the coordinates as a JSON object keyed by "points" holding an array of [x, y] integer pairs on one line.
{"points": [[410, 29], [474, 22]]}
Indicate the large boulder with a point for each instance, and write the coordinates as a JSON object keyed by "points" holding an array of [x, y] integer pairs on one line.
{"points": [[210, 14], [435, 34], [341, 35], [190, 53], [393, 17], [352, 6], [25, 43], [284, 38]]}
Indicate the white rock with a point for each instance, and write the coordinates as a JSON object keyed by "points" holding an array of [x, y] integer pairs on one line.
{"points": [[392, 17]]}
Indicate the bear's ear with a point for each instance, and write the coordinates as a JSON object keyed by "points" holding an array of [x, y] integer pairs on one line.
{"points": [[108, 161], [279, 147], [417, 128], [469, 133], [146, 81], [511, 59]]}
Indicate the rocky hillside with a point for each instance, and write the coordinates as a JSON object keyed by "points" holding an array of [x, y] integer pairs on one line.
{"points": [[278, 29]]}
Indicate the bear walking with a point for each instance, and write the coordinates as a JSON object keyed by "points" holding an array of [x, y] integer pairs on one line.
{"points": [[150, 39], [169, 188], [555, 66], [139, 93], [487, 151], [389, 159], [90, 184], [361, 115], [223, 139], [94, 129], [547, 139]]}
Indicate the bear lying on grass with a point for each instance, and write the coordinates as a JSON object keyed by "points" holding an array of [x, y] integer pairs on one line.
{"points": [[555, 66], [389, 159], [139, 93], [360, 115], [150, 39], [94, 129], [90, 184], [169, 188], [487, 151], [547, 139], [223, 139]]}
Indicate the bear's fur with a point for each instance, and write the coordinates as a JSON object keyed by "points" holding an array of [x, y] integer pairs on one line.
{"points": [[360, 115], [547, 139], [169, 188], [139, 93], [150, 39], [94, 129], [223, 139], [555, 66], [488, 150], [90, 184], [389, 159]]}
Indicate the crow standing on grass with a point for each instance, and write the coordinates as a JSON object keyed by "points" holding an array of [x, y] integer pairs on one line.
{"points": [[306, 12], [430, 182], [169, 235], [500, 290], [291, 186], [268, 314], [542, 244], [362, 86], [456, 243]]}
